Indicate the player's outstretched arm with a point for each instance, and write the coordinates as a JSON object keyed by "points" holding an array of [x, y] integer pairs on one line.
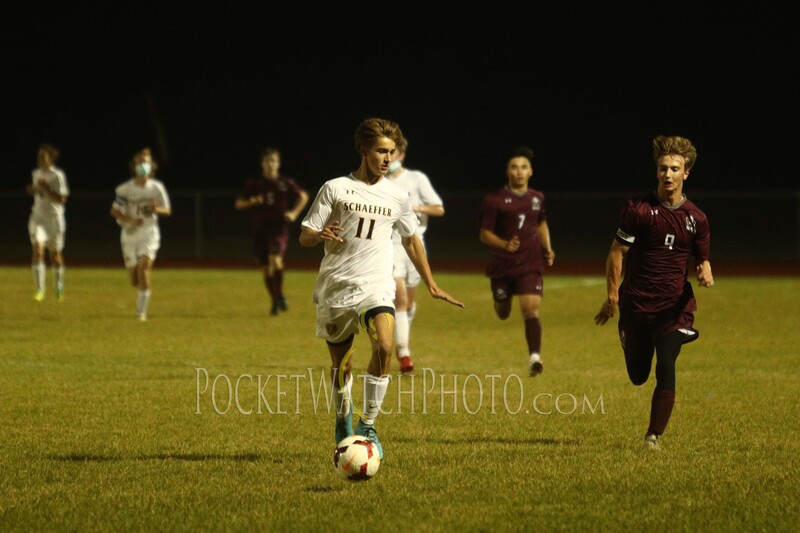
{"points": [[613, 277], [416, 252]]}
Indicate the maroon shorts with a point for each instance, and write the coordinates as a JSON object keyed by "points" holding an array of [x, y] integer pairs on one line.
{"points": [[638, 332], [504, 288], [266, 244]]}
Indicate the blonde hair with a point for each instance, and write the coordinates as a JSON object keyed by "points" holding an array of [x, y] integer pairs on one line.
{"points": [[663, 145]]}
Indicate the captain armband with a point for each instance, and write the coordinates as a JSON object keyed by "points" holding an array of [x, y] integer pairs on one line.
{"points": [[622, 236]]}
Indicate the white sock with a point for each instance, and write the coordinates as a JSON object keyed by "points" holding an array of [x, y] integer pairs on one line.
{"points": [[340, 397], [411, 312], [401, 332], [38, 275], [374, 392], [142, 301], [58, 278]]}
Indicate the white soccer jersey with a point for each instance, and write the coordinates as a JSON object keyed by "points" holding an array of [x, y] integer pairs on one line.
{"points": [[421, 192], [45, 207], [360, 266], [136, 201]]}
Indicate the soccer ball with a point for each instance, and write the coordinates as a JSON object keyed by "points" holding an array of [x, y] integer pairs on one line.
{"points": [[356, 458]]}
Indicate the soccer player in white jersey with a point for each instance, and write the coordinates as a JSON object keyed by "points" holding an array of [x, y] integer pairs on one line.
{"points": [[354, 217], [46, 225], [138, 204], [425, 203]]}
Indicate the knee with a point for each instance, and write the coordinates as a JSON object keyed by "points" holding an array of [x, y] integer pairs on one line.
{"points": [[502, 315], [502, 310], [638, 380], [527, 314], [385, 347]]}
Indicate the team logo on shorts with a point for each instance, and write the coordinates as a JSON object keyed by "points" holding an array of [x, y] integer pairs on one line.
{"points": [[500, 294], [331, 328], [622, 339]]}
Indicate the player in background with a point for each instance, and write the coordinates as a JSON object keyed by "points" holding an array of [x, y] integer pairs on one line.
{"points": [[657, 234], [425, 203], [46, 224], [138, 204], [514, 226], [269, 197], [354, 217]]}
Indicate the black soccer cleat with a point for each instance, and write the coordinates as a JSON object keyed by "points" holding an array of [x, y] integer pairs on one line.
{"points": [[283, 305], [689, 334]]}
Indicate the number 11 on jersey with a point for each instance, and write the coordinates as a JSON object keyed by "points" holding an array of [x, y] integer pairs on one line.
{"points": [[361, 227]]}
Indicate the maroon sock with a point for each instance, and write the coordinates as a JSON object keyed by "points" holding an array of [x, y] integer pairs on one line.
{"points": [[277, 278], [660, 410], [533, 334], [269, 283]]}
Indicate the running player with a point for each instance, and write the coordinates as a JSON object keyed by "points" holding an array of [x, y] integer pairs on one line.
{"points": [[514, 226], [269, 197], [46, 225], [657, 234], [425, 203], [138, 204], [354, 217]]}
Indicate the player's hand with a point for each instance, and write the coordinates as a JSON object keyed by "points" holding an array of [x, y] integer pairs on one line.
{"points": [[257, 200], [512, 245], [439, 294], [607, 311], [549, 257], [704, 276], [331, 232]]}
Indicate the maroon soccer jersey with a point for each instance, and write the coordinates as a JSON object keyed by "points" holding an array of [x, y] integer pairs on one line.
{"points": [[507, 214], [279, 196], [661, 238]]}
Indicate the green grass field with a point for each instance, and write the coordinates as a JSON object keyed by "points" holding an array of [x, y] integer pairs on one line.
{"points": [[110, 424]]}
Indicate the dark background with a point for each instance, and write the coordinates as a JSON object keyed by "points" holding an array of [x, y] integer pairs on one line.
{"points": [[587, 87]]}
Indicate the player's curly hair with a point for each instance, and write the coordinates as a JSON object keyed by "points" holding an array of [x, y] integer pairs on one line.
{"points": [[663, 145], [372, 129]]}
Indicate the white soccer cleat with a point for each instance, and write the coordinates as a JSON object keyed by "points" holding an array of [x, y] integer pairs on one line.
{"points": [[142, 317], [535, 366], [651, 442]]}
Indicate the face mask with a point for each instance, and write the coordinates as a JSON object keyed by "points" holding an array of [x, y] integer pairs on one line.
{"points": [[394, 165], [143, 169]]}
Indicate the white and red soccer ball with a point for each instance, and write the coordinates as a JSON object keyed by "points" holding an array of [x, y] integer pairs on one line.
{"points": [[356, 458]]}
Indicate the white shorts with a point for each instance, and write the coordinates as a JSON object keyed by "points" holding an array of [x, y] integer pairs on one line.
{"points": [[404, 268], [132, 251], [47, 231], [335, 324]]}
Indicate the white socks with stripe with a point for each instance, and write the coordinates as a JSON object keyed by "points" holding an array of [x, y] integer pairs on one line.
{"points": [[374, 393]]}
